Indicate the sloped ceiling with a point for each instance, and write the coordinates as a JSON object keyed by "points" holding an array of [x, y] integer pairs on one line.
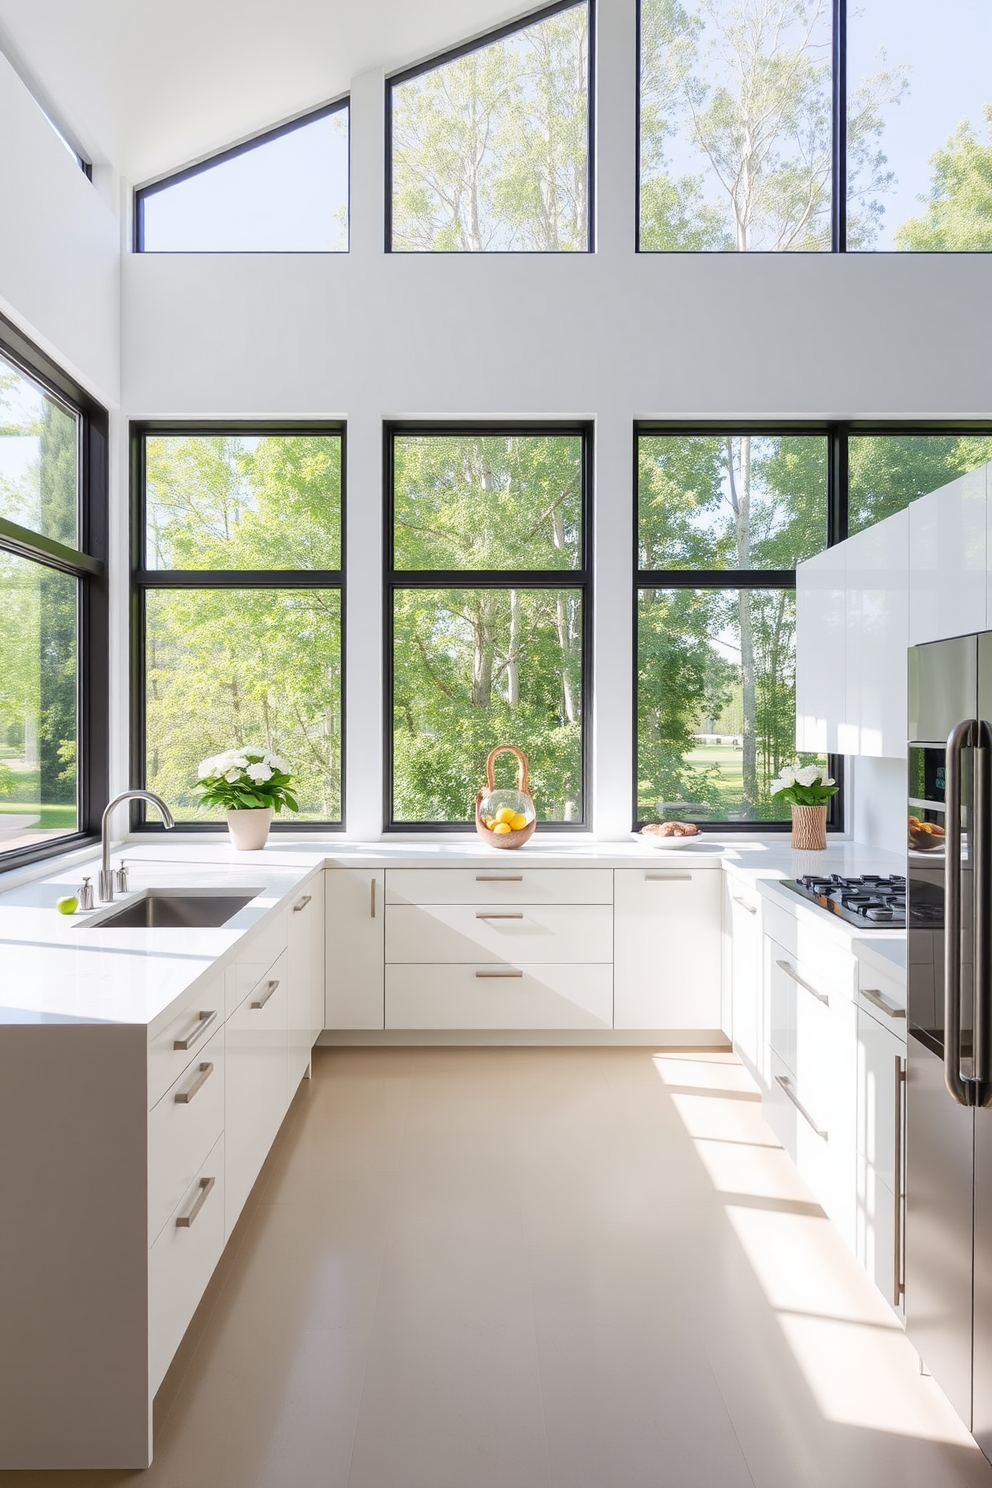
{"points": [[149, 85]]}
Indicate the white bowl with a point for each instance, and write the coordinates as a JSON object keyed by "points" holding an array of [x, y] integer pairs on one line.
{"points": [[654, 840]]}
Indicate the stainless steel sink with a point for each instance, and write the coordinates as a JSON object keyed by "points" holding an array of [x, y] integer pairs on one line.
{"points": [[176, 909]]}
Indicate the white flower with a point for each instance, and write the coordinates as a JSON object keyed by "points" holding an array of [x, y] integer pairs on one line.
{"points": [[232, 776], [830, 780], [254, 752], [259, 772], [277, 763], [206, 767], [808, 776], [787, 775]]}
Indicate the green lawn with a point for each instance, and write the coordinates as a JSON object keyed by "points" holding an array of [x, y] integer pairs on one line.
{"points": [[52, 817], [728, 762]]}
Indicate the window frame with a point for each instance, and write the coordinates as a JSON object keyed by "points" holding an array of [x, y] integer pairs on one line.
{"points": [[145, 579], [394, 579], [451, 54], [231, 152], [838, 159], [87, 563]]}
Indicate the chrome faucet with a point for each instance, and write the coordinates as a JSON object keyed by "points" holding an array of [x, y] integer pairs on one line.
{"points": [[106, 882]]}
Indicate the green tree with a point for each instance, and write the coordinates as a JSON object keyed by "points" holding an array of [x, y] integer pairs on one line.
{"points": [[958, 215], [489, 150]]}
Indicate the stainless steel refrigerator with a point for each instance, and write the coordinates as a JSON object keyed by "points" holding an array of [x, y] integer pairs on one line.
{"points": [[948, 1233]]}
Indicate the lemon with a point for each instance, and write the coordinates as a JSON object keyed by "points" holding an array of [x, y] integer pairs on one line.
{"points": [[519, 821], [68, 905], [500, 828], [505, 814]]}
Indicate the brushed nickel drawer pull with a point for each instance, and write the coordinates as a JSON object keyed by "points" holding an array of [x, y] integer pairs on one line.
{"points": [[203, 1022], [668, 878], [789, 971], [751, 908], [302, 904], [372, 897], [499, 878], [493, 975], [183, 1097], [185, 1221], [261, 1001], [486, 915], [875, 997], [787, 1087]]}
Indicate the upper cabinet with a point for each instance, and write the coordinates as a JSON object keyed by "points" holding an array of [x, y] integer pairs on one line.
{"points": [[921, 575], [821, 702], [948, 560], [877, 611]]}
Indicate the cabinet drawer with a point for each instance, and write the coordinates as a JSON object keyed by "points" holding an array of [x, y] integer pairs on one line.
{"points": [[174, 1046], [883, 997], [881, 1060], [507, 996], [182, 1129], [502, 883], [532, 933], [814, 955], [254, 961], [181, 1262]]}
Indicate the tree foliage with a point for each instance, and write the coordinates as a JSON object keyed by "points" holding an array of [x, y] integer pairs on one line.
{"points": [[958, 215], [490, 149]]}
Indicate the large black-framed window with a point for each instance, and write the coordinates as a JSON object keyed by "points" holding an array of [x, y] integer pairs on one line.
{"points": [[284, 191], [725, 512], [487, 616], [813, 125], [489, 146], [53, 606], [237, 616]]}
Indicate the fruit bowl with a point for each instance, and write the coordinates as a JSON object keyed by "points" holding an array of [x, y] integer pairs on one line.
{"points": [[506, 817]]}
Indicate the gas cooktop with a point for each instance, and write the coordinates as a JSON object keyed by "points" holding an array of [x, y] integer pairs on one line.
{"points": [[871, 901]]}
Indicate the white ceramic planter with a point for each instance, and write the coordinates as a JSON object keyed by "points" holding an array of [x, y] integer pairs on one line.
{"points": [[249, 828]]}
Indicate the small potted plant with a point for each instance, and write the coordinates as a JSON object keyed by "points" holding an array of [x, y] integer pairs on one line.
{"points": [[249, 785], [807, 789]]}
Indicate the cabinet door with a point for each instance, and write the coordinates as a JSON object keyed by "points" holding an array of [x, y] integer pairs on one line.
{"points": [[821, 619], [666, 959], [881, 1090], [255, 1096], [877, 582], [354, 904], [743, 915], [947, 560], [305, 969]]}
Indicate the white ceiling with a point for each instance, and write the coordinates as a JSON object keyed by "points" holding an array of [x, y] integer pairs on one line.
{"points": [[149, 85]]}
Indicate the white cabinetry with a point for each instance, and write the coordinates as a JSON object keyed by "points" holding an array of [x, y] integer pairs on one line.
{"points": [[499, 948], [306, 978], [742, 969], [821, 621], [666, 959], [811, 1099], [948, 560], [145, 1141], [881, 1126], [877, 608], [354, 924]]}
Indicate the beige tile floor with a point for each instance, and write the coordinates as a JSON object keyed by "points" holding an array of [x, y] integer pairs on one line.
{"points": [[540, 1268]]}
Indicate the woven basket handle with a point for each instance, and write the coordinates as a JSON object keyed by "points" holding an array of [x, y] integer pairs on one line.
{"points": [[523, 782]]}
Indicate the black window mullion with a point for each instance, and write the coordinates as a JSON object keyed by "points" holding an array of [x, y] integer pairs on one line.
{"points": [[838, 215]]}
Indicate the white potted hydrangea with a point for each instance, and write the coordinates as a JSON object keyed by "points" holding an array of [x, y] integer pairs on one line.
{"points": [[249, 785], [807, 789]]}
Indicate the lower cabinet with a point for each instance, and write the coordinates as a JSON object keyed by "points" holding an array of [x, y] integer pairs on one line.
{"points": [[880, 1178], [148, 1140], [257, 1082], [354, 928], [505, 996], [744, 1013], [666, 948]]}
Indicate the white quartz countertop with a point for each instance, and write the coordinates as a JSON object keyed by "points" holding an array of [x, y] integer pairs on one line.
{"points": [[57, 968]]}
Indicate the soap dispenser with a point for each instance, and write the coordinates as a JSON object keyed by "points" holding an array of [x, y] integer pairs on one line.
{"points": [[85, 895]]}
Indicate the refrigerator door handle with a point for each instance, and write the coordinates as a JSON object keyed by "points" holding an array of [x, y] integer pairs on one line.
{"points": [[981, 1088], [962, 736]]}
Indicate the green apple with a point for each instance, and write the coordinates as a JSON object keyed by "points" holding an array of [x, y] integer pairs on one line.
{"points": [[68, 905]]}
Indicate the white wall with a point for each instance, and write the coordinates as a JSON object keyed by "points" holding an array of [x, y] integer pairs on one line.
{"points": [[59, 247], [610, 336], [876, 802]]}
